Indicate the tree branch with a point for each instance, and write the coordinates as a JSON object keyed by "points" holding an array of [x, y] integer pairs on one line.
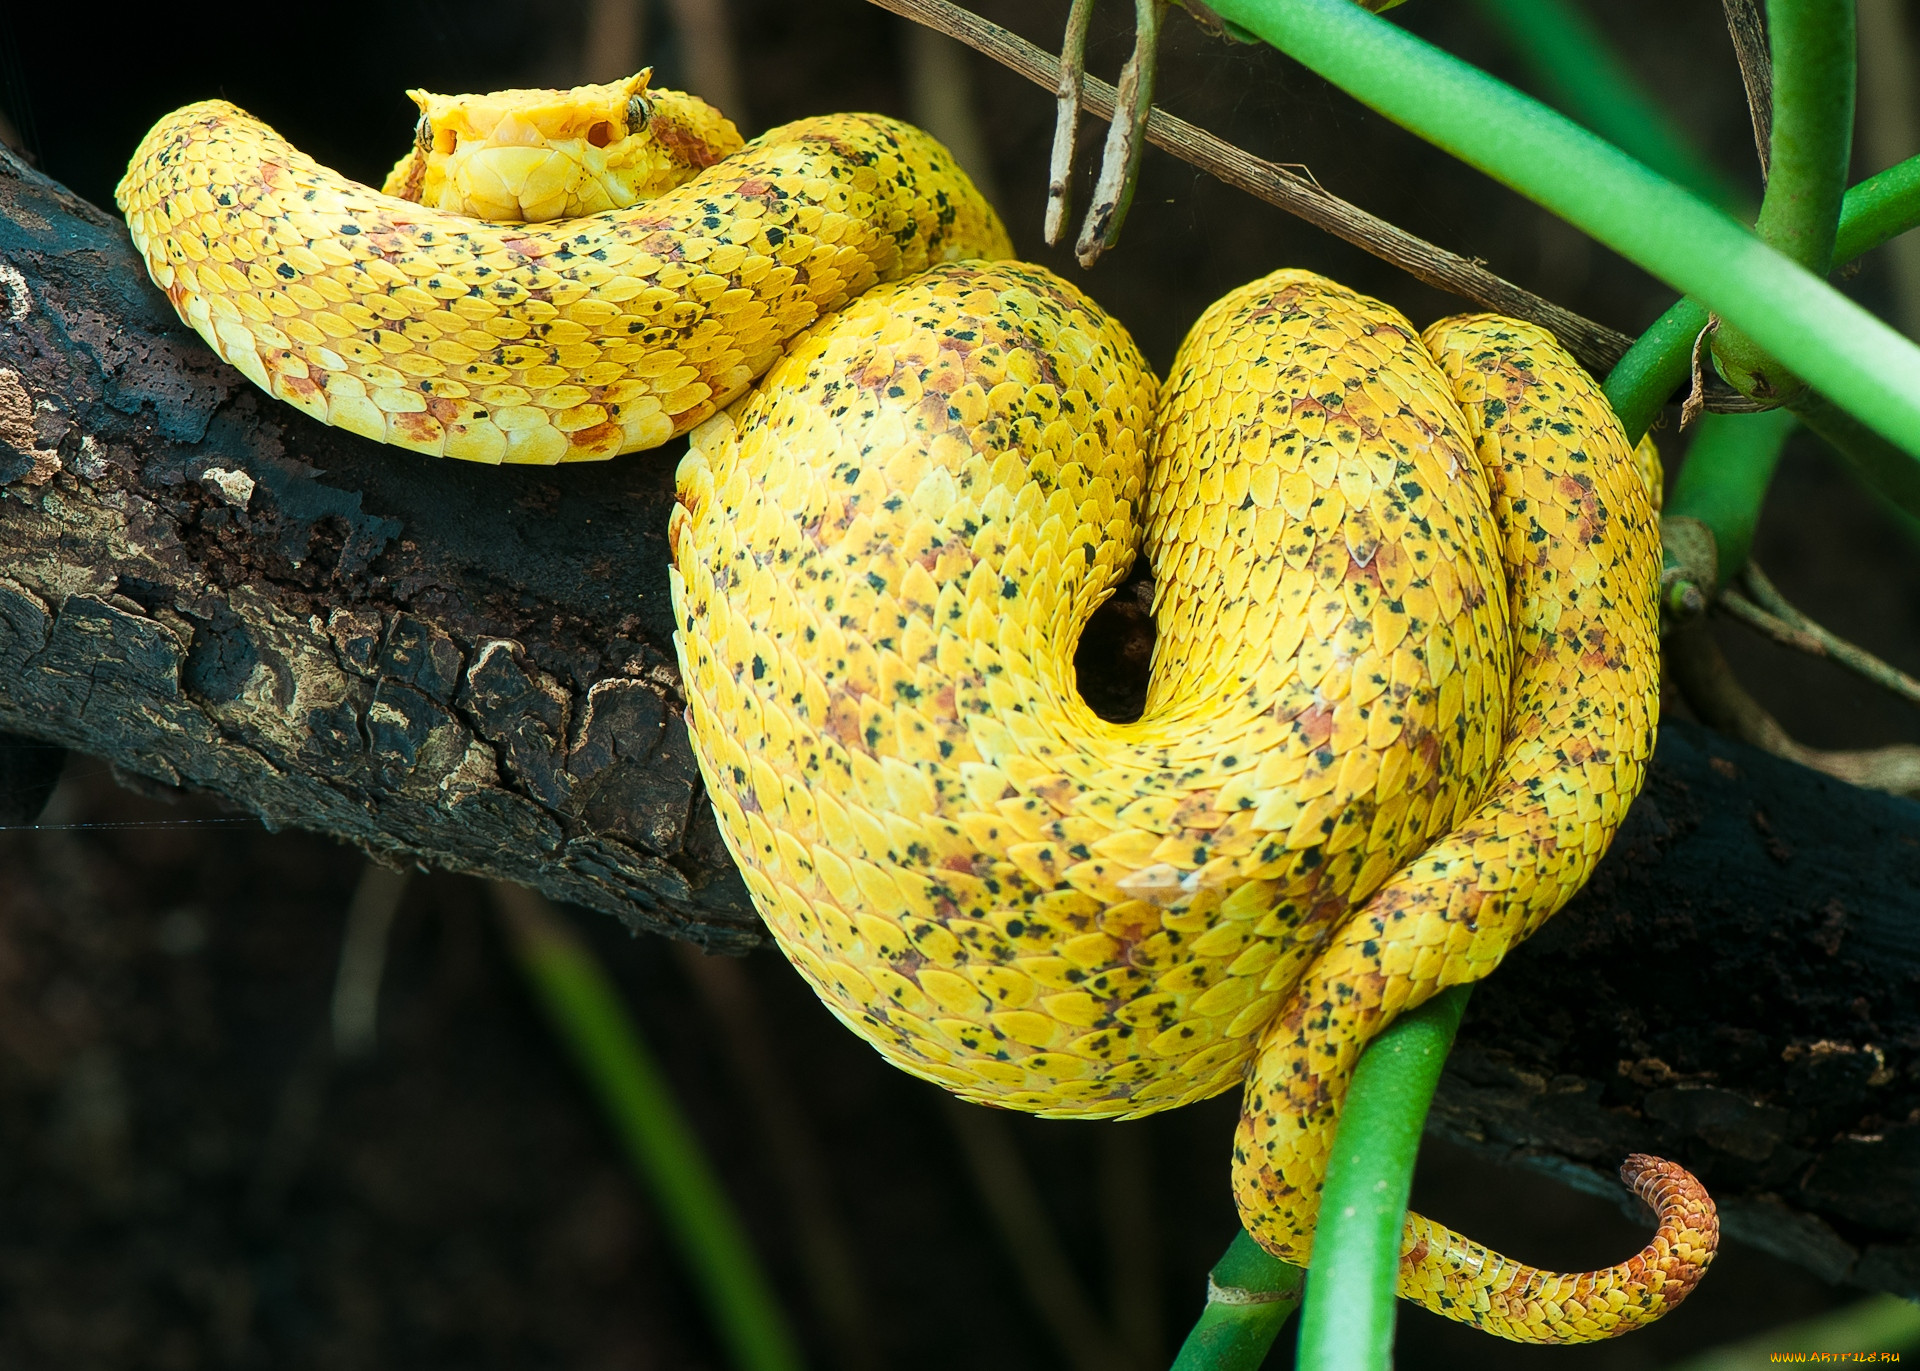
{"points": [[471, 668]]}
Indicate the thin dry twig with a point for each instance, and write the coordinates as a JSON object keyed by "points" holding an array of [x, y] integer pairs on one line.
{"points": [[1066, 122], [1596, 346], [1697, 392], [831, 1270], [363, 960], [1708, 392], [1126, 144], [1700, 669], [1002, 1178], [1756, 71], [1759, 605]]}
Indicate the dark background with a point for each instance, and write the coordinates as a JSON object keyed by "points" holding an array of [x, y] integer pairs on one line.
{"points": [[187, 1180]]}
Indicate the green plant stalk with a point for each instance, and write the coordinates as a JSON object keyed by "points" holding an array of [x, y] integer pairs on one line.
{"points": [[1658, 363], [1724, 480], [1813, 85], [1582, 73], [1347, 1324], [1813, 82], [1237, 1336], [588, 1017], [1356, 1255], [1859, 362], [1879, 208]]}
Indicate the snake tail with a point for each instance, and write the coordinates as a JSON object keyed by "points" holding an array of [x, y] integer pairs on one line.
{"points": [[1578, 541], [1463, 1280], [572, 340]]}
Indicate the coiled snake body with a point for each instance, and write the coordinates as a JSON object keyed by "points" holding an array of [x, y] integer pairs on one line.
{"points": [[1405, 680]]}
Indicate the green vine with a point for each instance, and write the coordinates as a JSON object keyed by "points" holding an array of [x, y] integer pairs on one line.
{"points": [[1363, 1207], [1250, 1296], [1879, 208], [1813, 80], [1856, 360], [1583, 75], [1724, 480], [1351, 1288]]}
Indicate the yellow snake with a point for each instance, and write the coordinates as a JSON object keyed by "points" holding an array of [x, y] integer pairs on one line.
{"points": [[1405, 681]]}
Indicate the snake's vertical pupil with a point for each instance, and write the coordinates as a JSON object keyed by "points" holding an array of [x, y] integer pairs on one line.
{"points": [[638, 112]]}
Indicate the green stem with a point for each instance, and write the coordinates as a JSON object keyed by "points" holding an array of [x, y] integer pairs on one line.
{"points": [[1658, 363], [1852, 357], [586, 1013], [1347, 1324], [1583, 75], [1879, 208], [1813, 79], [1356, 1253], [1724, 480], [1234, 1332]]}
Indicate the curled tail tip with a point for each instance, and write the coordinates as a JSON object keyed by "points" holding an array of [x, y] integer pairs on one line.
{"points": [[1667, 1185], [1689, 1232]]}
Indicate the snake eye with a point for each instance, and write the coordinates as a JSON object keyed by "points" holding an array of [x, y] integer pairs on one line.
{"points": [[638, 113]]}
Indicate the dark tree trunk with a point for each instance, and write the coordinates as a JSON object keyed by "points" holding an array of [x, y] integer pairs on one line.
{"points": [[474, 669]]}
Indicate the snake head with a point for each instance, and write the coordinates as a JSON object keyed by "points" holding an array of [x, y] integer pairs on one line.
{"points": [[528, 156]]}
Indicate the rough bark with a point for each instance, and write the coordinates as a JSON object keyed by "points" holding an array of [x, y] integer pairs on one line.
{"points": [[473, 669], [435, 662]]}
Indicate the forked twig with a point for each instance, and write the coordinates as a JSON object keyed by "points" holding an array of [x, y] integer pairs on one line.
{"points": [[1595, 345], [1756, 71], [1755, 602], [1126, 144], [1717, 697], [1066, 122]]}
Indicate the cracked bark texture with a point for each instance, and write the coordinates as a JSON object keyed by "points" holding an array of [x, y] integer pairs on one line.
{"points": [[472, 668]]}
